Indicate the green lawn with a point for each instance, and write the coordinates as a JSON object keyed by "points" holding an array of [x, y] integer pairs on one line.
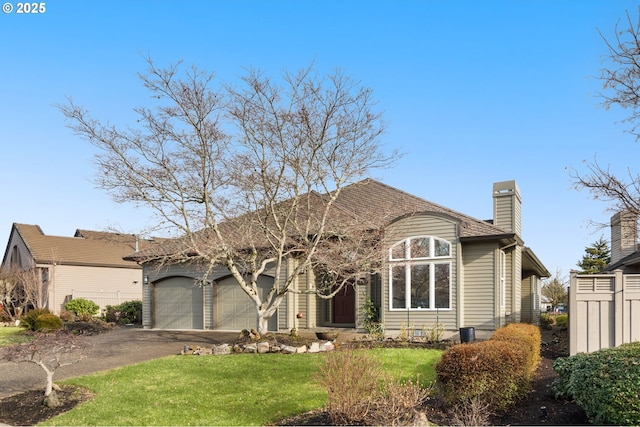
{"points": [[12, 335], [220, 390]]}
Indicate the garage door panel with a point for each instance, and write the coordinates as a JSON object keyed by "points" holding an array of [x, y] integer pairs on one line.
{"points": [[236, 311], [178, 304]]}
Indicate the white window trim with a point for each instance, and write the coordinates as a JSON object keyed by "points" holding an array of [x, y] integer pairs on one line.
{"points": [[408, 262]]}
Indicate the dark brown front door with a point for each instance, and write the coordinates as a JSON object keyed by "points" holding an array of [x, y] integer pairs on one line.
{"points": [[344, 305]]}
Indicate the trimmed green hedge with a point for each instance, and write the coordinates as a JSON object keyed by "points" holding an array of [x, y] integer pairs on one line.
{"points": [[82, 307], [496, 372], [606, 383]]}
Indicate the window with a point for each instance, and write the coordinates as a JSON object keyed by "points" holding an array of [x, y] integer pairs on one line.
{"points": [[420, 274]]}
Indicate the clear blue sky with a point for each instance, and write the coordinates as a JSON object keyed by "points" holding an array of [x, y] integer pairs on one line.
{"points": [[473, 91]]}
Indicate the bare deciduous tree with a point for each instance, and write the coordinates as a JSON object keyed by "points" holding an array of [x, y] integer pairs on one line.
{"points": [[621, 84], [247, 176], [21, 289], [49, 351]]}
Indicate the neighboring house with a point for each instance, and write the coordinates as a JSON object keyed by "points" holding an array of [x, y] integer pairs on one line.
{"points": [[465, 272], [89, 265]]}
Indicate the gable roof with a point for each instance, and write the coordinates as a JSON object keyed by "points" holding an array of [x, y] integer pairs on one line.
{"points": [[391, 204], [86, 248]]}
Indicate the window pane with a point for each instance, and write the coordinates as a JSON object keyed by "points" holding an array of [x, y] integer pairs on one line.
{"points": [[398, 288], [420, 247], [441, 248], [420, 286], [442, 281], [398, 251]]}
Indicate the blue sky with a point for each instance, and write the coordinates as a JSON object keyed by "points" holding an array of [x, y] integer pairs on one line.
{"points": [[473, 93]]}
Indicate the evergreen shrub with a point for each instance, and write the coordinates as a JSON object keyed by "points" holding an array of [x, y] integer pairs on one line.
{"points": [[127, 312], [28, 320], [606, 383], [82, 307], [526, 335], [493, 372], [562, 320], [48, 322]]}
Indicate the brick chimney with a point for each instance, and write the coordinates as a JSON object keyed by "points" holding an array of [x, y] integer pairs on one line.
{"points": [[624, 235], [507, 206]]}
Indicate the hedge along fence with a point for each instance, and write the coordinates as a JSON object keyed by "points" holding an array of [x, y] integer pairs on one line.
{"points": [[606, 383], [496, 372]]}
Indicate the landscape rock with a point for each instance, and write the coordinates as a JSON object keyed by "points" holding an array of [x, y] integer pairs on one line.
{"points": [[263, 347], [251, 348], [287, 349], [315, 347], [301, 349], [222, 349]]}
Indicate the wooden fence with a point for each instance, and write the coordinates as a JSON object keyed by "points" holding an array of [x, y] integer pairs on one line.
{"points": [[604, 310], [103, 299]]}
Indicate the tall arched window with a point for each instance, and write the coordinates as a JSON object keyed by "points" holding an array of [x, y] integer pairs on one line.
{"points": [[420, 274]]}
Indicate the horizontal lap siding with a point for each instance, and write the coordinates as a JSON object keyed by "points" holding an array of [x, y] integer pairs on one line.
{"points": [[98, 284], [479, 285], [421, 225]]}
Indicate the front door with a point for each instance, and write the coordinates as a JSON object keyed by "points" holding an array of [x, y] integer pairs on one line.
{"points": [[344, 305]]}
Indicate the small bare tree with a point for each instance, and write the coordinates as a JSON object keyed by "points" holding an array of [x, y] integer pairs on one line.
{"points": [[247, 176], [33, 284], [49, 351]]}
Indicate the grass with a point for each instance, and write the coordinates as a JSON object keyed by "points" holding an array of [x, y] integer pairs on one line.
{"points": [[13, 335], [219, 390]]}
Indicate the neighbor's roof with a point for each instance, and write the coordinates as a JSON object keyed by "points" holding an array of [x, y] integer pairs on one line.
{"points": [[374, 204], [86, 248]]}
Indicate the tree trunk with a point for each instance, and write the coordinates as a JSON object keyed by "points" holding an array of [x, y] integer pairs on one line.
{"points": [[263, 323]]}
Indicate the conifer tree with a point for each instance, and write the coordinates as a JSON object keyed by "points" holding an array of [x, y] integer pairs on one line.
{"points": [[596, 257]]}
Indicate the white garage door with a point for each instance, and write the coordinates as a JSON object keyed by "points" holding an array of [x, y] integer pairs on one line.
{"points": [[178, 304], [234, 310]]}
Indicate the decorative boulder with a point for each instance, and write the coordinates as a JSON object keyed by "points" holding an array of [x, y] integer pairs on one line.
{"points": [[263, 347], [287, 349], [222, 349]]}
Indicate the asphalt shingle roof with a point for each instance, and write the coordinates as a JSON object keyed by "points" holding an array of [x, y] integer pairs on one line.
{"points": [[372, 203], [89, 248]]}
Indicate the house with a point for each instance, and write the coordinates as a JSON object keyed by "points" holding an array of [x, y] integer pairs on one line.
{"points": [[88, 265], [439, 265]]}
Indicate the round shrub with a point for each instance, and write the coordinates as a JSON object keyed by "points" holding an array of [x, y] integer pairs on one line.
{"points": [[606, 384], [48, 322], [562, 320], [127, 312], [130, 312], [28, 320], [492, 372], [82, 307], [526, 335]]}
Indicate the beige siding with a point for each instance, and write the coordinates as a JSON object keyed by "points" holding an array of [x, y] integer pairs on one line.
{"points": [[527, 313], [102, 285], [516, 285], [480, 285], [420, 225]]}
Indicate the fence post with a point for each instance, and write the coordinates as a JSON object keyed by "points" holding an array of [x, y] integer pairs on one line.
{"points": [[573, 313], [618, 307]]}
